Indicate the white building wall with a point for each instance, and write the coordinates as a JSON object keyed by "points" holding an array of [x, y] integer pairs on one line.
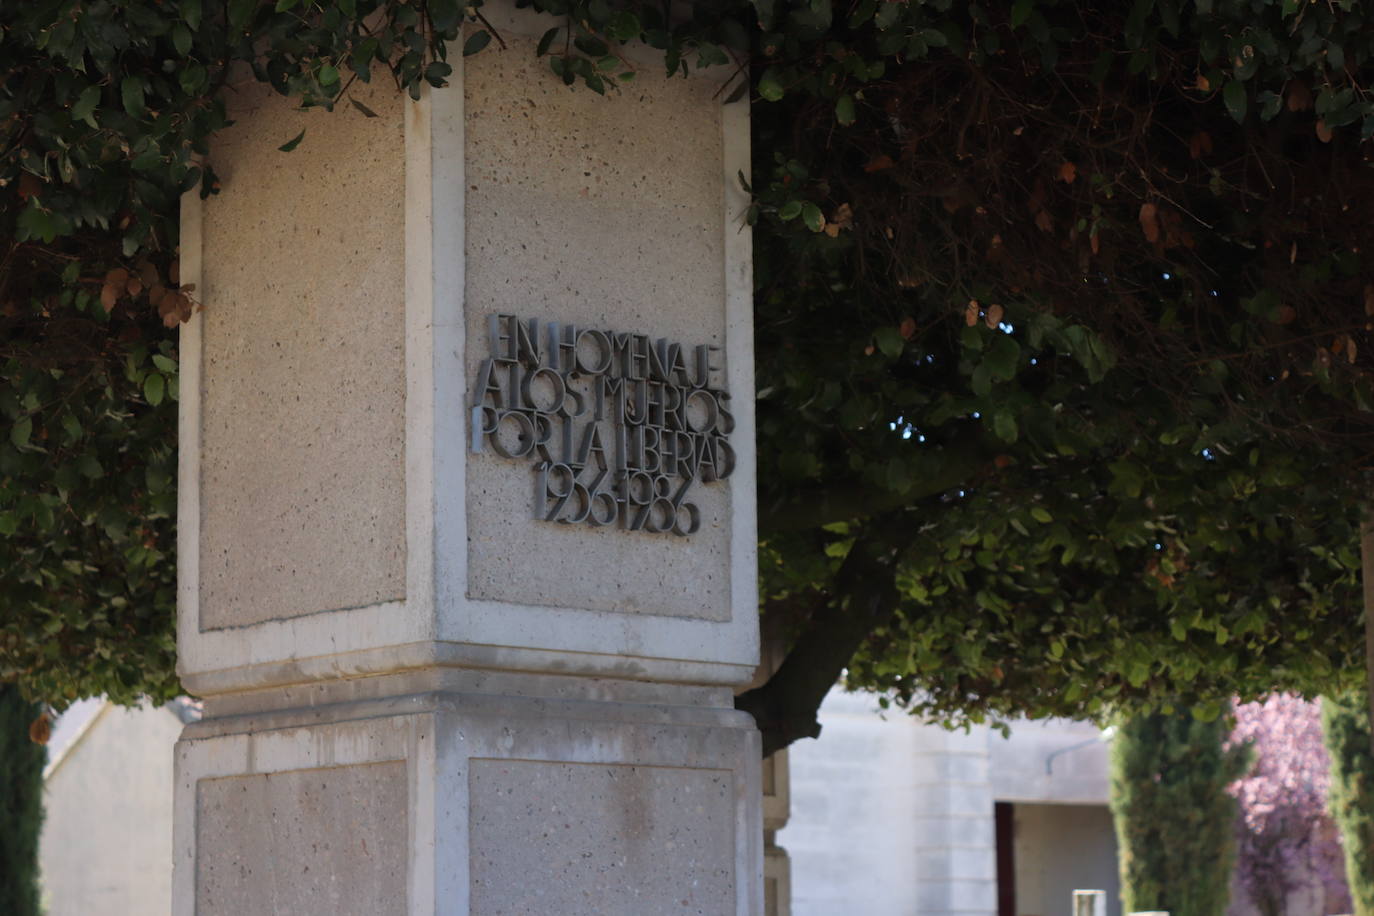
{"points": [[893, 817], [889, 817], [955, 855], [853, 828], [1049, 760], [1062, 848], [106, 846]]}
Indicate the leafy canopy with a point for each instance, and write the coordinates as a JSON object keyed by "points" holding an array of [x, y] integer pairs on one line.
{"points": [[1061, 313], [1068, 374]]}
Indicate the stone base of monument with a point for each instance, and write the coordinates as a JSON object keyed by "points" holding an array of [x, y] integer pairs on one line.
{"points": [[590, 798]]}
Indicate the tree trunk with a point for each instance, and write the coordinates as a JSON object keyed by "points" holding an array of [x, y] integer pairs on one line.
{"points": [[865, 597]]}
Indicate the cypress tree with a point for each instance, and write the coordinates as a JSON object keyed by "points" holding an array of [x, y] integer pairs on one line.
{"points": [[1175, 822], [1345, 725], [21, 804]]}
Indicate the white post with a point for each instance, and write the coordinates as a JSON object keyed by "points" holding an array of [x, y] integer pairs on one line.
{"points": [[1089, 903]]}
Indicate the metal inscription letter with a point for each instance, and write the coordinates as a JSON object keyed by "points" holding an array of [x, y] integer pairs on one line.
{"points": [[619, 427]]}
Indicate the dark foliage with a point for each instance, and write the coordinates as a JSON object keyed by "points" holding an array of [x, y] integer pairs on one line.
{"points": [[21, 804]]}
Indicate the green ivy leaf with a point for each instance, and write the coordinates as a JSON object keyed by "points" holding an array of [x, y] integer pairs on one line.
{"points": [[1003, 354], [624, 26], [294, 142], [193, 78], [446, 16], [437, 72], [981, 382], [476, 42], [21, 431], [131, 92], [154, 386], [546, 41], [89, 466], [844, 110], [890, 342], [812, 216], [35, 222], [85, 104], [181, 39], [1004, 425], [1208, 711], [240, 11], [770, 87], [1236, 100], [790, 210]]}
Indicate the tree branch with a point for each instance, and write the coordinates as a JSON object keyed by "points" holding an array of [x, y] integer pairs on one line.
{"points": [[865, 597]]}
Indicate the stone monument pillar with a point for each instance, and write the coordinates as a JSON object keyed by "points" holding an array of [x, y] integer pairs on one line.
{"points": [[467, 533]]}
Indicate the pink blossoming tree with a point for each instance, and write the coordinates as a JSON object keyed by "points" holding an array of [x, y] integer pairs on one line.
{"points": [[1286, 840]]}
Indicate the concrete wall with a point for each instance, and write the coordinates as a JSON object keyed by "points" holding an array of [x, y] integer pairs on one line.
{"points": [[1051, 760], [107, 834], [1060, 849], [893, 816], [853, 833]]}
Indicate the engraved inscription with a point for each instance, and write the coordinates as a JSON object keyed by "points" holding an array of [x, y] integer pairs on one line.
{"points": [[618, 426]]}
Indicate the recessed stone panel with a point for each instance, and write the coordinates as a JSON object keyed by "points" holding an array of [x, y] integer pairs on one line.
{"points": [[302, 477], [600, 840], [606, 213], [331, 841]]}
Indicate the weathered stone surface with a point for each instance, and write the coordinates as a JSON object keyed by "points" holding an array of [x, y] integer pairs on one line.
{"points": [[480, 805], [602, 840], [607, 213], [302, 476], [328, 840], [334, 521]]}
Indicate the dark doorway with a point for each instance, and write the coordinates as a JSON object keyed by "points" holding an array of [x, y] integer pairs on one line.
{"points": [[1005, 825]]}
